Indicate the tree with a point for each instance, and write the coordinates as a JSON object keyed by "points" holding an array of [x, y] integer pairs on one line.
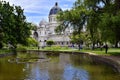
{"points": [[50, 42], [81, 39], [100, 16], [77, 39], [74, 18], [33, 26], [108, 22], [1, 38], [13, 23]]}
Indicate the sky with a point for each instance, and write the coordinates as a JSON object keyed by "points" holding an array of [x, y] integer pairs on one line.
{"points": [[36, 10]]}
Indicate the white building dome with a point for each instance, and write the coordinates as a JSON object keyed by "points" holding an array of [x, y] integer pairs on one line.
{"points": [[43, 22]]}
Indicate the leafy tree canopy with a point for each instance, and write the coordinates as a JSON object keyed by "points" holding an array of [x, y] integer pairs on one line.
{"points": [[100, 17], [13, 24]]}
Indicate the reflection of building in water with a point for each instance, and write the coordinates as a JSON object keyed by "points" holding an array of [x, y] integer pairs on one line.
{"points": [[36, 71], [46, 30], [48, 70], [56, 69], [64, 59]]}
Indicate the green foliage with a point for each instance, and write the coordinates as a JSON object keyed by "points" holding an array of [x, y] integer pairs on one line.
{"points": [[107, 19], [83, 37], [31, 42], [50, 42], [33, 26], [53, 48], [57, 48], [111, 51], [74, 18], [100, 17], [13, 23], [76, 39], [4, 51], [21, 48]]}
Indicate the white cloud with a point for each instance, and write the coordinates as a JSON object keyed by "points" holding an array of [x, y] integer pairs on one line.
{"points": [[39, 7]]}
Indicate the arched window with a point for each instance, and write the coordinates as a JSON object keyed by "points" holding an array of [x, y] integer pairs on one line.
{"points": [[35, 35], [40, 32]]}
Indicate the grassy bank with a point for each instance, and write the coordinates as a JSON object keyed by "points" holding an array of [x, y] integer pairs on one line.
{"points": [[4, 51], [111, 51]]}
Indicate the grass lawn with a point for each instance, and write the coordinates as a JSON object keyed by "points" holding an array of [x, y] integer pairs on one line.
{"points": [[3, 51], [111, 51]]}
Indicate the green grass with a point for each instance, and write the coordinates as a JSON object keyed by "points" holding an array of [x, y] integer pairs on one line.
{"points": [[57, 48], [32, 48], [4, 51], [114, 51], [111, 51]]}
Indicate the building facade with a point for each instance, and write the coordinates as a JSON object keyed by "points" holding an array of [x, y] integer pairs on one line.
{"points": [[46, 30]]}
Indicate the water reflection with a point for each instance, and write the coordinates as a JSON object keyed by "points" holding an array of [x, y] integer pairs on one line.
{"points": [[60, 67], [34, 72], [71, 73]]}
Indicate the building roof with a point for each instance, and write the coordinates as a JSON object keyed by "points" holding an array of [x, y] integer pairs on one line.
{"points": [[43, 22], [55, 9]]}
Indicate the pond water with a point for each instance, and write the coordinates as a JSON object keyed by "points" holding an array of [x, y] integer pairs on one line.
{"points": [[54, 66]]}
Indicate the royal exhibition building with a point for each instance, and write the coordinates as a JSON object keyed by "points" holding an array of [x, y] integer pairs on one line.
{"points": [[46, 30]]}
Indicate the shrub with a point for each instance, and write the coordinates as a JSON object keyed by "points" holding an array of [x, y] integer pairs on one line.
{"points": [[32, 42], [50, 42], [21, 47], [56, 48]]}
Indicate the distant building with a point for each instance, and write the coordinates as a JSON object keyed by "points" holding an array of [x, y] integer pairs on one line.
{"points": [[45, 30]]}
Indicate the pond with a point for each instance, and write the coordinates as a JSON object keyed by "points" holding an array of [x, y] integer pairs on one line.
{"points": [[54, 66]]}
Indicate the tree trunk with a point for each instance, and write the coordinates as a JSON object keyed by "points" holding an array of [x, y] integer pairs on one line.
{"points": [[116, 44], [93, 46], [79, 46], [117, 2]]}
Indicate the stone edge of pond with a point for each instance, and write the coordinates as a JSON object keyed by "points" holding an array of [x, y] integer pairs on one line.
{"points": [[99, 58], [107, 60]]}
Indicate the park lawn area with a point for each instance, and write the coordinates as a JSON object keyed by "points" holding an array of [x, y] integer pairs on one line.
{"points": [[114, 51], [59, 48], [4, 51], [111, 51]]}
